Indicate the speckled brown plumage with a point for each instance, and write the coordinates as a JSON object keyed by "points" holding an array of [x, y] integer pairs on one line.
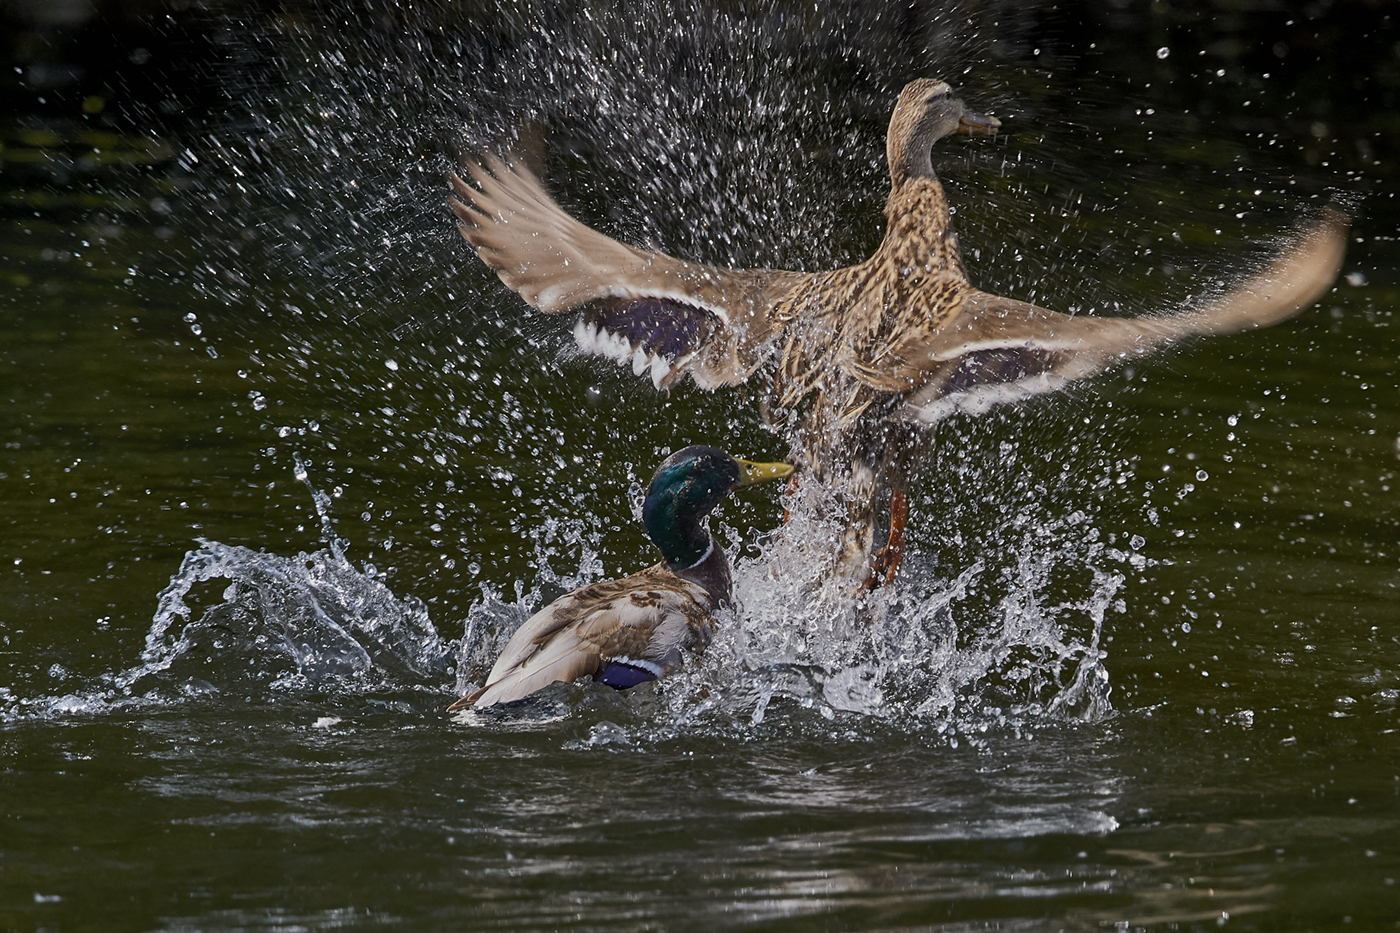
{"points": [[864, 356], [653, 615]]}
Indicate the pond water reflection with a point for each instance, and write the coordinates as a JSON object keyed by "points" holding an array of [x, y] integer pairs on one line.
{"points": [[239, 262]]}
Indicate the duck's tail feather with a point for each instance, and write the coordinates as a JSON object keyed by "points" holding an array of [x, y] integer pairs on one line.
{"points": [[565, 657]]}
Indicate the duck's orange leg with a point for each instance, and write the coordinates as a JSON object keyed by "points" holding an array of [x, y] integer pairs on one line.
{"points": [[792, 488], [886, 562]]}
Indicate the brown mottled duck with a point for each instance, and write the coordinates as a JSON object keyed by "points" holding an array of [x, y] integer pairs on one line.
{"points": [[868, 356]]}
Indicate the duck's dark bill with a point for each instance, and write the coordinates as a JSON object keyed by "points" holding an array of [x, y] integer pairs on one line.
{"points": [[750, 473], [620, 676], [975, 124]]}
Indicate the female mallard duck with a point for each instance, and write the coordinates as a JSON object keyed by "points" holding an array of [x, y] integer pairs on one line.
{"points": [[628, 631], [866, 355]]}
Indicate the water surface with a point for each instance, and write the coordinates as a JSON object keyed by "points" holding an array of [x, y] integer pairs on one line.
{"points": [[283, 463]]}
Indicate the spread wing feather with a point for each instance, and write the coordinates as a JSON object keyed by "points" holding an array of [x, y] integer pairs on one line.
{"points": [[999, 349], [662, 335], [558, 264]]}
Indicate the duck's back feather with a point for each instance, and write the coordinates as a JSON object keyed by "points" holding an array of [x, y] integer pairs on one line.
{"points": [[649, 617]]}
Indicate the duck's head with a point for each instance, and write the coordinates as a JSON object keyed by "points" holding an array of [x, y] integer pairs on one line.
{"points": [[687, 486], [926, 112]]}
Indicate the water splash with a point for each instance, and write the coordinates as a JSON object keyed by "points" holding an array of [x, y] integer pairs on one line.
{"points": [[307, 620], [923, 655], [932, 654], [926, 655], [310, 622]]}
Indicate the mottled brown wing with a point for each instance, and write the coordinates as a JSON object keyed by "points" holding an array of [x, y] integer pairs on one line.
{"points": [[665, 314], [999, 349]]}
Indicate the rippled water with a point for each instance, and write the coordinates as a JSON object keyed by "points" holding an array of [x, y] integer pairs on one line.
{"points": [[283, 465]]}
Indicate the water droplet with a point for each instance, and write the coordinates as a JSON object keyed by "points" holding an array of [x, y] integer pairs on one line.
{"points": [[1163, 52], [1202, 475], [393, 366]]}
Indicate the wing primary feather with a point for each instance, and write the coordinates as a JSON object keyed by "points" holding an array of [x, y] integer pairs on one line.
{"points": [[1004, 350], [1291, 282], [558, 264]]}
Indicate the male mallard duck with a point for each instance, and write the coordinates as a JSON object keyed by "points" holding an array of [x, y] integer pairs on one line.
{"points": [[628, 631], [866, 355]]}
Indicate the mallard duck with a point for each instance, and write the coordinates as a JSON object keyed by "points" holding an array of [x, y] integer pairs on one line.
{"points": [[625, 632], [866, 356]]}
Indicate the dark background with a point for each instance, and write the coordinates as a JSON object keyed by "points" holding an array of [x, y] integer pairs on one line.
{"points": [[178, 67]]}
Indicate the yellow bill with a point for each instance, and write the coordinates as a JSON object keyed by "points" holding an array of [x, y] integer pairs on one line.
{"points": [[751, 473]]}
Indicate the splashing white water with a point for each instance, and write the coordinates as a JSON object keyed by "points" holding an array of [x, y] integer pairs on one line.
{"points": [[314, 618], [313, 621], [923, 654], [308, 622], [932, 653], [316, 613], [929, 654]]}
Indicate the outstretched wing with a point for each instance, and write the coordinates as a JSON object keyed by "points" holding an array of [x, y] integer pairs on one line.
{"points": [[641, 621], [999, 349], [660, 313]]}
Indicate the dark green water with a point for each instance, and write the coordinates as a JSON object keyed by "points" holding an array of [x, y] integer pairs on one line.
{"points": [[239, 260]]}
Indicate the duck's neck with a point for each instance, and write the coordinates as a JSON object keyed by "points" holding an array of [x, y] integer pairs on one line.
{"points": [[917, 217], [693, 555], [910, 154], [712, 574], [678, 534], [917, 209]]}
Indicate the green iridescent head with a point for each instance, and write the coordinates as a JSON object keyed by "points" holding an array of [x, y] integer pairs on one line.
{"points": [[687, 486]]}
